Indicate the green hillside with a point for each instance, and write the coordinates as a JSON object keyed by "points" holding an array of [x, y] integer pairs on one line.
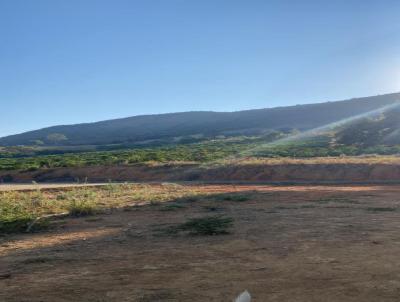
{"points": [[187, 126]]}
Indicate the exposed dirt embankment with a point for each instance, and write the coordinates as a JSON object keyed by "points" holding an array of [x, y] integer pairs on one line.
{"points": [[310, 172]]}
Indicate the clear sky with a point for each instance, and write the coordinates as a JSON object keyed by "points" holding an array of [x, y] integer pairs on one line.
{"points": [[69, 61]]}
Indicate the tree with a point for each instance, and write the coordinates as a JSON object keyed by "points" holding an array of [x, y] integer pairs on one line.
{"points": [[56, 138]]}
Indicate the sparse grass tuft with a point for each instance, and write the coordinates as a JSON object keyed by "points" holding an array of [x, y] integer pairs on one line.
{"points": [[233, 197], [205, 226], [79, 208]]}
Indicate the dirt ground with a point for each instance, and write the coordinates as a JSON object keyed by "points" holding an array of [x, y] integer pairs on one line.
{"points": [[297, 243]]}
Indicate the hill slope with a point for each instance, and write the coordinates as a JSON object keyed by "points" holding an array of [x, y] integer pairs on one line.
{"points": [[168, 126]]}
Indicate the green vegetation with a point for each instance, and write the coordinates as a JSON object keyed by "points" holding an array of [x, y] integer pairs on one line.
{"points": [[15, 220], [80, 208], [320, 147], [200, 152], [368, 136], [15, 213], [192, 126], [334, 129]]}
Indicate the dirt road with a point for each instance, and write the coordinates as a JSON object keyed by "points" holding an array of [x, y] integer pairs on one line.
{"points": [[302, 244]]}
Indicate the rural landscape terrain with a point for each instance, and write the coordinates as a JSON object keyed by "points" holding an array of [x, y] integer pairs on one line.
{"points": [[296, 203]]}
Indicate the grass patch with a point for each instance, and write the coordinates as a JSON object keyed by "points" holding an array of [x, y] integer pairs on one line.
{"points": [[18, 209], [204, 226], [20, 223], [79, 208], [15, 218]]}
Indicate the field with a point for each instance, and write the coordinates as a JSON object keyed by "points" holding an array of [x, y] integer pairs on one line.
{"points": [[174, 242], [203, 152]]}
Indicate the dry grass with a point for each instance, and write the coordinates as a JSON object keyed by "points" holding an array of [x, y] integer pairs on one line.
{"points": [[19, 208]]}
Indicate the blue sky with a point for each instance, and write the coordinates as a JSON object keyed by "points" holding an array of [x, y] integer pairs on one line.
{"points": [[70, 61]]}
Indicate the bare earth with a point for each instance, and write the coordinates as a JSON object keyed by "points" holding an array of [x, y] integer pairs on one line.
{"points": [[299, 243]]}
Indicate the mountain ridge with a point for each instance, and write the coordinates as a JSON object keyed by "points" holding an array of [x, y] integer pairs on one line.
{"points": [[206, 123]]}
